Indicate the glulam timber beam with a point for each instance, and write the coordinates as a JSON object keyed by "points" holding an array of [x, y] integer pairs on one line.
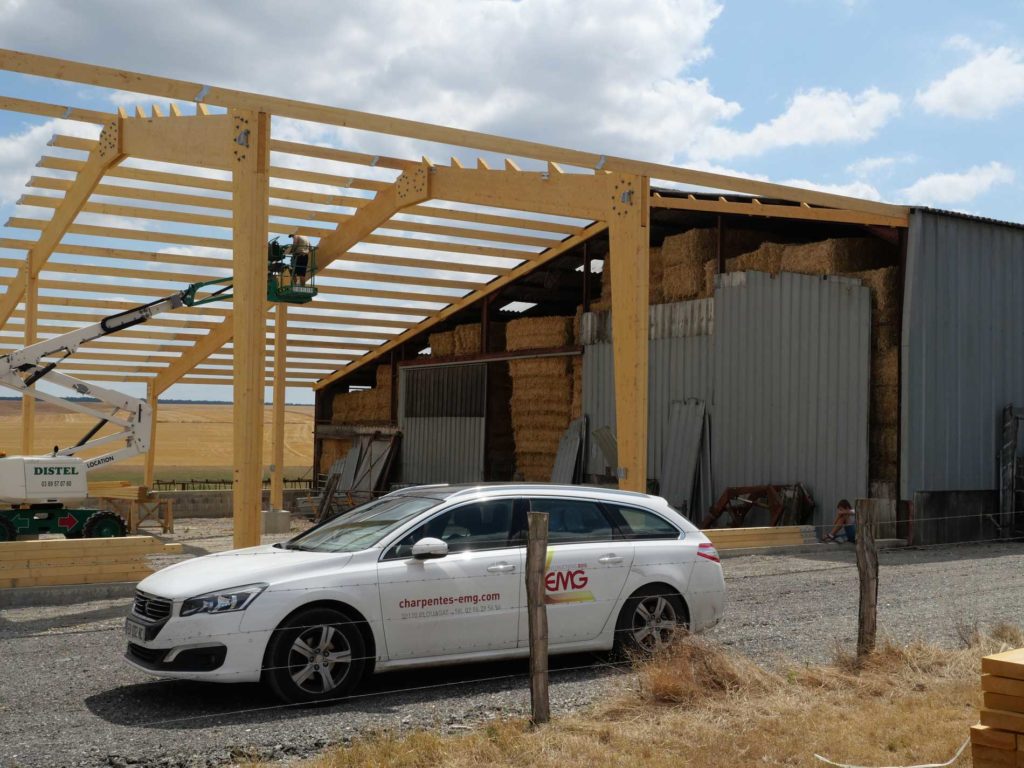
{"points": [[250, 181], [180, 90], [629, 236], [768, 210], [279, 372]]}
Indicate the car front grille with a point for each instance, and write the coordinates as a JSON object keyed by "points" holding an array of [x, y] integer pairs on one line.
{"points": [[151, 608]]}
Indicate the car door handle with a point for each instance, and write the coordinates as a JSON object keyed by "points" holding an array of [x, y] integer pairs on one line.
{"points": [[610, 560], [501, 568]]}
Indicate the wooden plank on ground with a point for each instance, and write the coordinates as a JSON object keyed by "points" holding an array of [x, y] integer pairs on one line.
{"points": [[11, 550], [71, 573], [1002, 701], [984, 736], [1002, 720]]}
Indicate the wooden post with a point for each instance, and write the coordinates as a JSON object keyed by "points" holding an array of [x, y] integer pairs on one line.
{"points": [[280, 375], [152, 397], [536, 560], [28, 402], [628, 235], [249, 155], [867, 566]]}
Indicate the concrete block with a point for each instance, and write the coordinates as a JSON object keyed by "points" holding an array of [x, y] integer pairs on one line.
{"points": [[276, 521]]}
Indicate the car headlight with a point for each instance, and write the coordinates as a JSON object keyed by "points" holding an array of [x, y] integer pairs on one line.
{"points": [[223, 600]]}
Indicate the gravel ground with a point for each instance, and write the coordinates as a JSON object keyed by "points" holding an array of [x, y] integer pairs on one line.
{"points": [[67, 699]]}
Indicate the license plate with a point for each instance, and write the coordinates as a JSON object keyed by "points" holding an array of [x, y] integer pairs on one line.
{"points": [[134, 631]]}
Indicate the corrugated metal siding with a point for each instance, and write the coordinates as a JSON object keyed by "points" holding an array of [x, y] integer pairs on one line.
{"points": [[792, 374], [680, 368], [785, 376], [442, 449], [963, 336]]}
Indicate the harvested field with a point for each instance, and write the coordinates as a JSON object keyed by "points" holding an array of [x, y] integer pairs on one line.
{"points": [[193, 435]]}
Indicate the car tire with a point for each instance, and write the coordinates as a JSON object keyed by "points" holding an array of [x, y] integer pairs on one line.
{"points": [[650, 620], [104, 525], [315, 655]]}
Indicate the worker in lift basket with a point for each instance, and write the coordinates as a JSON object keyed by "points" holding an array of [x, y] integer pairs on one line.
{"points": [[846, 522], [299, 251]]}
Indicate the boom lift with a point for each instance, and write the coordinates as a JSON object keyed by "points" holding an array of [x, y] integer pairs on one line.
{"points": [[37, 487]]}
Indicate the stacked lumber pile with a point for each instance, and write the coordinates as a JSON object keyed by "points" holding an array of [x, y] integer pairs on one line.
{"points": [[53, 562], [752, 538], [998, 742], [118, 489], [541, 393]]}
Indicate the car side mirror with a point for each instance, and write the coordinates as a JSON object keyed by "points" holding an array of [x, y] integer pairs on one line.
{"points": [[429, 549]]}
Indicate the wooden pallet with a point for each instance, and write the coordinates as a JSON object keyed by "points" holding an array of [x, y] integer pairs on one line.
{"points": [[998, 742], [754, 538], [55, 562]]}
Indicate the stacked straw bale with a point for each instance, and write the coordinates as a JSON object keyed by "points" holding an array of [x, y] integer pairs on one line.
{"points": [[442, 344], [835, 256], [368, 406], [467, 338], [884, 285], [576, 404], [998, 741], [542, 391]]}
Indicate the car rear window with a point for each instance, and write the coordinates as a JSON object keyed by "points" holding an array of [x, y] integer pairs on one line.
{"points": [[636, 523]]}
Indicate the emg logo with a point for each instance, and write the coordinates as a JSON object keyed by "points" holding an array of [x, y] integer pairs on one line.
{"points": [[561, 581]]}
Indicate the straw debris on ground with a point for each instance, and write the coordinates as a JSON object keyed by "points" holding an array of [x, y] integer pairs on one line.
{"points": [[702, 705]]}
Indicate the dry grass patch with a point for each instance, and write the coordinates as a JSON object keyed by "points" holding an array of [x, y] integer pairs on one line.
{"points": [[701, 705]]}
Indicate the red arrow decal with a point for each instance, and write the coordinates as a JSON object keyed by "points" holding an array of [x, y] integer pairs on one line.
{"points": [[68, 521]]}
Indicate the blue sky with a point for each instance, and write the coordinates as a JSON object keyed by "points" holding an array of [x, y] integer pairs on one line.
{"points": [[908, 102]]}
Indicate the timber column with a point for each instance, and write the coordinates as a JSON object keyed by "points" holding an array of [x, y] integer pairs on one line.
{"points": [[628, 234], [249, 158], [28, 402], [280, 374]]}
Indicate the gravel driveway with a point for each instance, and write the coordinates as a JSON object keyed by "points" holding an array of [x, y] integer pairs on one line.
{"points": [[67, 699]]}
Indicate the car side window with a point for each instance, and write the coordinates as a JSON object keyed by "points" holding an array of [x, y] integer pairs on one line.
{"points": [[637, 524], [476, 526], [571, 520]]}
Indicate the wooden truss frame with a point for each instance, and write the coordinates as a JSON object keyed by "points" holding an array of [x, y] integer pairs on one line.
{"points": [[404, 243]]}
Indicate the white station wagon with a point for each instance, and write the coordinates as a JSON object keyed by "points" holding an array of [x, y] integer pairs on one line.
{"points": [[426, 576]]}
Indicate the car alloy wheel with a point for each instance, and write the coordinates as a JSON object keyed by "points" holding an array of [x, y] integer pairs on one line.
{"points": [[319, 660], [654, 623]]}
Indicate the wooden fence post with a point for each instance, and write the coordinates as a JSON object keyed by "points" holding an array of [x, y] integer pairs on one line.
{"points": [[536, 558], [867, 567]]}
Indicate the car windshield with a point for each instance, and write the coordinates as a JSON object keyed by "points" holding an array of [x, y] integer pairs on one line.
{"points": [[362, 527]]}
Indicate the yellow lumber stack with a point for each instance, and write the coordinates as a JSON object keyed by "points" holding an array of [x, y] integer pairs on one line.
{"points": [[118, 489], [52, 562], [752, 538], [998, 742]]}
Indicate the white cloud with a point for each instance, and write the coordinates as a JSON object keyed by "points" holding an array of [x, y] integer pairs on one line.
{"points": [[990, 82], [873, 166], [547, 70], [957, 188], [817, 116], [859, 189], [19, 153]]}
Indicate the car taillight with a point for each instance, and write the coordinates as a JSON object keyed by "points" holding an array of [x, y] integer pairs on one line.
{"points": [[708, 552]]}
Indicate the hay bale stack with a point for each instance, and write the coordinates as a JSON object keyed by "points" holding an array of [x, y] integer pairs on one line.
{"points": [[883, 445], [885, 367], [442, 344], [367, 406], [884, 285], [710, 270], [538, 333], [885, 403], [467, 338], [766, 258], [384, 377], [835, 256], [541, 405], [655, 291]]}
